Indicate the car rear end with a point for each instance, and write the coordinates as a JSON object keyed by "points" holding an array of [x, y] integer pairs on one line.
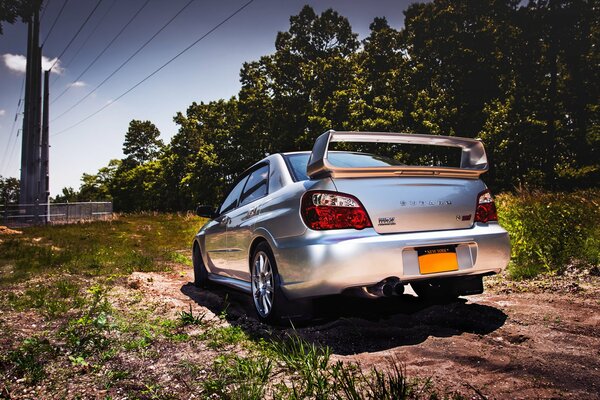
{"points": [[375, 223]]}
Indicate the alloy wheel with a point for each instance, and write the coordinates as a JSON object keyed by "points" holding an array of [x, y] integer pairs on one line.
{"points": [[262, 284]]}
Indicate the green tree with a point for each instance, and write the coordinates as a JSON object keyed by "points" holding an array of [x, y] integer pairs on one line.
{"points": [[142, 143], [68, 194], [11, 10], [96, 187], [9, 191]]}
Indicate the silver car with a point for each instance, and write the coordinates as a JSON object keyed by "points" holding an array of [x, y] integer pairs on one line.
{"points": [[297, 226]]}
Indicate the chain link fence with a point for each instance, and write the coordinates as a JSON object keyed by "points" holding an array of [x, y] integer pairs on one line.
{"points": [[17, 215]]}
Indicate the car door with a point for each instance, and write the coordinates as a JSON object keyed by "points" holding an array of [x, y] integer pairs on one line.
{"points": [[242, 219], [217, 251]]}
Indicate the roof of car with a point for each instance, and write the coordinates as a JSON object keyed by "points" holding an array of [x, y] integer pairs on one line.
{"points": [[288, 153]]}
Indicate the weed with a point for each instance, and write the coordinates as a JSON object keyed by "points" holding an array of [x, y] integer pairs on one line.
{"points": [[188, 318], [228, 335], [86, 335], [309, 361], [141, 342], [27, 361], [548, 230], [179, 258], [112, 376], [239, 378], [53, 299]]}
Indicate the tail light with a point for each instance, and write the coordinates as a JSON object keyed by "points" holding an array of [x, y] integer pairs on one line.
{"points": [[323, 210], [486, 209]]}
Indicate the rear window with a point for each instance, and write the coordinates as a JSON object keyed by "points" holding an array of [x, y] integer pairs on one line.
{"points": [[412, 154], [298, 162]]}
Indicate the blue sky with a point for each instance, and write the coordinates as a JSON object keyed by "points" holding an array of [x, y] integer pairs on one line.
{"points": [[208, 71]]}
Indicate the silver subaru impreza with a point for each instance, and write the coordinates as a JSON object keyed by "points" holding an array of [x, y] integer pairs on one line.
{"points": [[301, 225]]}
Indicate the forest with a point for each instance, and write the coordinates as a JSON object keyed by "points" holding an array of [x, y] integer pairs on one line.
{"points": [[523, 77]]}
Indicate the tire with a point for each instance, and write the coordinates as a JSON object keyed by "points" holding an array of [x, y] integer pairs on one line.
{"points": [[270, 303], [200, 272]]}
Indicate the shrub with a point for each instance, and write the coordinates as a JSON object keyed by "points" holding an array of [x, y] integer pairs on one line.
{"points": [[550, 230]]}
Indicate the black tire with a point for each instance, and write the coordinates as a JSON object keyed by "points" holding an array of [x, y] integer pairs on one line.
{"points": [[270, 303], [200, 272]]}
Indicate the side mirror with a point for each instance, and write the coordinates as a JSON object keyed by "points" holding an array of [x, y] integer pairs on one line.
{"points": [[206, 212]]}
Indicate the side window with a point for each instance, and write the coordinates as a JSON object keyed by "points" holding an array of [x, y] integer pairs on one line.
{"points": [[257, 185], [233, 196]]}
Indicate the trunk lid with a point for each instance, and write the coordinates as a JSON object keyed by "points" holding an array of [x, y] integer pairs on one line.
{"points": [[415, 204]]}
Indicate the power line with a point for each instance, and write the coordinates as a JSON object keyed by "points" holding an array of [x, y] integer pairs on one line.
{"points": [[12, 150], [103, 50], [76, 34], [5, 159], [89, 36], [44, 10], [55, 20], [159, 68], [125, 62]]}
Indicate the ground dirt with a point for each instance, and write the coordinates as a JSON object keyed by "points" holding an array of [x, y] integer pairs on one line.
{"points": [[537, 339], [511, 342]]}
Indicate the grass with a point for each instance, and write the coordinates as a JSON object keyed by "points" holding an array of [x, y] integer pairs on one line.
{"points": [[139, 242], [550, 231], [65, 276], [27, 361]]}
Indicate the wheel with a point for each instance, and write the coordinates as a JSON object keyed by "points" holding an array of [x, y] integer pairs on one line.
{"points": [[270, 303], [200, 272]]}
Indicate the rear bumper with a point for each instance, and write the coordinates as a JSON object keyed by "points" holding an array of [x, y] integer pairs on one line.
{"points": [[328, 262]]}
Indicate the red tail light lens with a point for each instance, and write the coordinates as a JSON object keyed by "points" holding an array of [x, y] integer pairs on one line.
{"points": [[323, 210], [486, 209]]}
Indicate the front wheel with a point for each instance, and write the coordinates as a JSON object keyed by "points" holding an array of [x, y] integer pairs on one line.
{"points": [[200, 272], [271, 305]]}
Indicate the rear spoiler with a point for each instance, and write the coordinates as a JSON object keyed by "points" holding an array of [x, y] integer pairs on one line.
{"points": [[473, 161]]}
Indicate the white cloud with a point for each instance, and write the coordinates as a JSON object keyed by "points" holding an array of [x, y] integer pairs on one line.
{"points": [[78, 84], [2, 112], [18, 63], [15, 62], [47, 63]]}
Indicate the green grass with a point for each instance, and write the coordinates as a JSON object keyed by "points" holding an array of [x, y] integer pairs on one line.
{"points": [[65, 275], [549, 231], [138, 242], [27, 361], [235, 377]]}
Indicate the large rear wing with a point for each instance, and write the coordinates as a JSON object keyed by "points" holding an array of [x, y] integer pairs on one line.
{"points": [[472, 164]]}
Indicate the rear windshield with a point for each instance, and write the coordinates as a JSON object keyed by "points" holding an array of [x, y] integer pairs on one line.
{"points": [[298, 162]]}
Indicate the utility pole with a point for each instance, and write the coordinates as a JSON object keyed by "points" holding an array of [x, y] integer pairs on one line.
{"points": [[33, 186], [45, 151]]}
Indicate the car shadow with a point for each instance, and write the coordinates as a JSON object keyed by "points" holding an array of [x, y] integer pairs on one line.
{"points": [[350, 325]]}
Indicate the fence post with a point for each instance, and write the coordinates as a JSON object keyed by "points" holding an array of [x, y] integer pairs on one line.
{"points": [[36, 211], [67, 210], [5, 208]]}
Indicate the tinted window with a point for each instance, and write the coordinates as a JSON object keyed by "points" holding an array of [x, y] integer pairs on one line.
{"points": [[231, 200], [298, 162], [257, 185]]}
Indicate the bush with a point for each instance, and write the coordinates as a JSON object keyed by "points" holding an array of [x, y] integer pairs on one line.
{"points": [[548, 231]]}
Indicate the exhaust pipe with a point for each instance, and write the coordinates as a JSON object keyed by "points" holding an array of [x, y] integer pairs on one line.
{"points": [[387, 288], [399, 289]]}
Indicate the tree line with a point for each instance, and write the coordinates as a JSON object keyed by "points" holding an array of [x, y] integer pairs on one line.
{"points": [[523, 77]]}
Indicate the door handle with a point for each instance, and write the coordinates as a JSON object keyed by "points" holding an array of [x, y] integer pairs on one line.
{"points": [[225, 220], [252, 212]]}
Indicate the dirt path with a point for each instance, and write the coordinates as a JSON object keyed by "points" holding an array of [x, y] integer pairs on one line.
{"points": [[516, 345]]}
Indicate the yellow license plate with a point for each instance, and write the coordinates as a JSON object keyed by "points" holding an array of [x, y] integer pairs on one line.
{"points": [[437, 259]]}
